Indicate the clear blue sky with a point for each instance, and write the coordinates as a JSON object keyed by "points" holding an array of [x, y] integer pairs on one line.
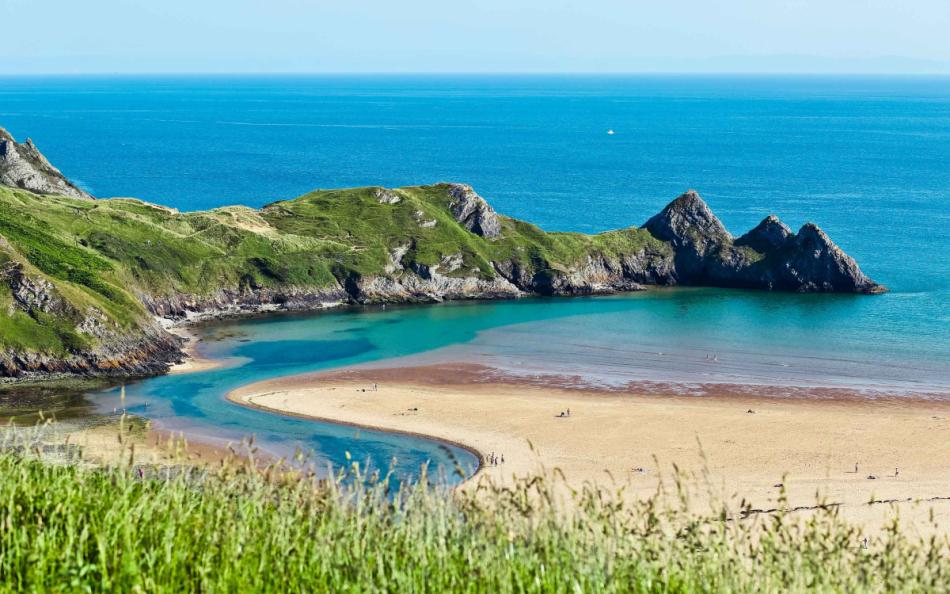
{"points": [[104, 36]]}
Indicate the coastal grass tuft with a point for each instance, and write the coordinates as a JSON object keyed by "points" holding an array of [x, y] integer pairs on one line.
{"points": [[248, 527]]}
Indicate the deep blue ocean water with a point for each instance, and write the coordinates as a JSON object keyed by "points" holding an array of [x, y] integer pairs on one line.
{"points": [[868, 159]]}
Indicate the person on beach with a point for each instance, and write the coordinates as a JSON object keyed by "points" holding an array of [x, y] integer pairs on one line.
{"points": [[896, 473], [855, 468], [568, 412]]}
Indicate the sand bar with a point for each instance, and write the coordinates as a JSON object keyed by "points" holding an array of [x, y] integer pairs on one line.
{"points": [[808, 445]]}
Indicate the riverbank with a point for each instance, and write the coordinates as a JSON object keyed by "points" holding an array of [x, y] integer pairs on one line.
{"points": [[732, 446]]}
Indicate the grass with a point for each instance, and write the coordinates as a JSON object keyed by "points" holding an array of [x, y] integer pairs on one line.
{"points": [[105, 255], [244, 527]]}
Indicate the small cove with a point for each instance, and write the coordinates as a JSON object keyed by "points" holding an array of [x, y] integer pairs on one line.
{"points": [[658, 335]]}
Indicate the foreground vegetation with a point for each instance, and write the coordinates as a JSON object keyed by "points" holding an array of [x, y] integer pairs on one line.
{"points": [[243, 528]]}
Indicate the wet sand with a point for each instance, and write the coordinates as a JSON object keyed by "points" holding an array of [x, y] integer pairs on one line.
{"points": [[800, 445], [194, 361]]}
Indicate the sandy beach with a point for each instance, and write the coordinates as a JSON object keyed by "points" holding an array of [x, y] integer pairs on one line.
{"points": [[734, 446], [193, 361]]}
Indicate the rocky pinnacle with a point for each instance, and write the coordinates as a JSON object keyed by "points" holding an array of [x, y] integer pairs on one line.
{"points": [[23, 166]]}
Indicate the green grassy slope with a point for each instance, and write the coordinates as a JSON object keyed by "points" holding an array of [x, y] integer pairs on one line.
{"points": [[104, 255]]}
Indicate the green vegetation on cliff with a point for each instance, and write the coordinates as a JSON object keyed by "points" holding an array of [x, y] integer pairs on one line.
{"points": [[81, 279], [114, 257]]}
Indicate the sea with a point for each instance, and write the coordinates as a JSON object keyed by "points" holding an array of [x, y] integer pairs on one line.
{"points": [[866, 158]]}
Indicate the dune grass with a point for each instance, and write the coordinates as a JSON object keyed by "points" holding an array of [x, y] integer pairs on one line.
{"points": [[243, 527]]}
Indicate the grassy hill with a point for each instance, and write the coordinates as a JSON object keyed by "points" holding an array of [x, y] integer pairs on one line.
{"points": [[112, 261], [82, 281]]}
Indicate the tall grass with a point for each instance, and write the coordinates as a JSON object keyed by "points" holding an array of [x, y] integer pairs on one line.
{"points": [[242, 527]]}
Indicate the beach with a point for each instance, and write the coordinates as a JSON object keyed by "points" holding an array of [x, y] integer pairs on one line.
{"points": [[194, 361], [731, 447]]}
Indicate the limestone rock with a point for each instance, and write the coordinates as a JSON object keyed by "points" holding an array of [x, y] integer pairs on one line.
{"points": [[32, 293], [768, 257], [771, 234], [693, 231], [425, 223], [688, 222], [473, 212], [386, 196], [23, 166], [817, 264]]}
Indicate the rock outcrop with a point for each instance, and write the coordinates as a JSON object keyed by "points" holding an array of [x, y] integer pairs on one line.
{"points": [[23, 166], [224, 303], [148, 352], [768, 257], [770, 234], [695, 234], [814, 263], [473, 212], [32, 293]]}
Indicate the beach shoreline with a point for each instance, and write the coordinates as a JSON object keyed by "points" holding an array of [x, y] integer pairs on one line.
{"points": [[761, 449], [193, 361]]}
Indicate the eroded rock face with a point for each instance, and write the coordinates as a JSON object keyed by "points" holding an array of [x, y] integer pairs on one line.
{"points": [[597, 274], [386, 196], [236, 302], [693, 231], [32, 293], [23, 166], [688, 222], [817, 264], [770, 234], [473, 212], [149, 352], [768, 257]]}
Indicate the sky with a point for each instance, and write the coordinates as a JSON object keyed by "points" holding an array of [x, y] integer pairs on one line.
{"points": [[420, 36]]}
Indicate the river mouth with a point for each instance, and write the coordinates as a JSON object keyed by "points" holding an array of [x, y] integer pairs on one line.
{"points": [[777, 344]]}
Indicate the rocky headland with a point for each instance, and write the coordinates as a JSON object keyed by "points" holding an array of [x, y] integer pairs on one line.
{"points": [[24, 166], [88, 287]]}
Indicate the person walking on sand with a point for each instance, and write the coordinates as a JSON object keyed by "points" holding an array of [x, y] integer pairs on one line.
{"points": [[896, 473], [855, 468]]}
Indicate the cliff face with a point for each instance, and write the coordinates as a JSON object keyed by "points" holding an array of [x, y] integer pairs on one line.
{"points": [[23, 166], [97, 346], [82, 283], [768, 257]]}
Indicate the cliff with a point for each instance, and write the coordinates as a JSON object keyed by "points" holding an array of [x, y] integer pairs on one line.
{"points": [[23, 166], [83, 282], [768, 257]]}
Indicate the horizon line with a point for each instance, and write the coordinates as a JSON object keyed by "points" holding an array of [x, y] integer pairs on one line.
{"points": [[750, 73]]}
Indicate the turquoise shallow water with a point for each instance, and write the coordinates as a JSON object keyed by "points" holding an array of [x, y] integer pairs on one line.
{"points": [[662, 336], [866, 158]]}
